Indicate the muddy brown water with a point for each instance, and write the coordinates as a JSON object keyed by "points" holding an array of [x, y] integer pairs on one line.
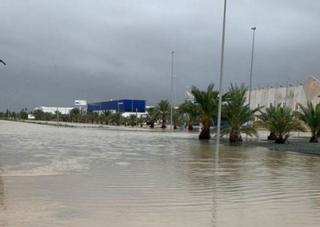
{"points": [[78, 177]]}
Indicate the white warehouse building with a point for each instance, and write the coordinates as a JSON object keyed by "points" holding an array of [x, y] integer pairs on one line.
{"points": [[47, 109], [287, 95]]}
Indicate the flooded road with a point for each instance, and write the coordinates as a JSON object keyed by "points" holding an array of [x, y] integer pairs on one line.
{"points": [[78, 177]]}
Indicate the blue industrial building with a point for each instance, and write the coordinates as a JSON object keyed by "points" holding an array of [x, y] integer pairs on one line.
{"points": [[122, 105]]}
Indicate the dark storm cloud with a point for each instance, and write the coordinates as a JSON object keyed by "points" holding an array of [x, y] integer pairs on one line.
{"points": [[59, 50]]}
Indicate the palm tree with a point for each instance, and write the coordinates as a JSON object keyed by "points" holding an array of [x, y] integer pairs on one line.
{"points": [[310, 115], [164, 109], [115, 118], [75, 115], [238, 114], [265, 115], [152, 116], [175, 119], [132, 120], [207, 102], [106, 117], [38, 114], [191, 112], [282, 121]]}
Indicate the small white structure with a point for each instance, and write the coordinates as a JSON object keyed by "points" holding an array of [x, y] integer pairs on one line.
{"points": [[47, 109], [138, 114], [31, 117], [81, 104], [288, 95], [188, 96]]}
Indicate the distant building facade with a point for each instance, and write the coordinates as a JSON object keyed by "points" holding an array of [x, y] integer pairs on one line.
{"points": [[288, 95], [122, 106], [50, 109]]}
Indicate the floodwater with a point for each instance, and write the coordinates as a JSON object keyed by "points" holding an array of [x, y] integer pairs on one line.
{"points": [[80, 177]]}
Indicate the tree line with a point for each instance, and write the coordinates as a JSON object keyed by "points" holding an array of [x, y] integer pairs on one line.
{"points": [[237, 117]]}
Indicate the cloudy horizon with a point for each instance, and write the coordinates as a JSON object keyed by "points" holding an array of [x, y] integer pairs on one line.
{"points": [[59, 51]]}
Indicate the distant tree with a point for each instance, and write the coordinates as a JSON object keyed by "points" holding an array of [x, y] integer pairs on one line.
{"points": [[75, 115], [164, 109], [152, 116], [13, 116], [141, 120], [106, 117], [38, 114], [133, 120], [7, 114], [23, 114], [190, 113], [116, 118]]}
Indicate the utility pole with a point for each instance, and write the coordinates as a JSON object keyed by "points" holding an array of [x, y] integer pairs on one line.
{"points": [[57, 116], [221, 76], [251, 67], [171, 110], [2, 62]]}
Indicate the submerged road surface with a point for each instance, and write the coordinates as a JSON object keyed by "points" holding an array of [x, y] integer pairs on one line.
{"points": [[82, 177]]}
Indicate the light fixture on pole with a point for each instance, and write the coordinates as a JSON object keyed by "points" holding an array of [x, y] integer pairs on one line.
{"points": [[171, 90], [2, 62], [251, 66], [221, 76]]}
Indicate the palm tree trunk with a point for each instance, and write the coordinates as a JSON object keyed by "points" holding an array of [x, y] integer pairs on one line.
{"points": [[235, 136], [280, 140], [272, 136], [163, 125], [204, 134], [314, 138]]}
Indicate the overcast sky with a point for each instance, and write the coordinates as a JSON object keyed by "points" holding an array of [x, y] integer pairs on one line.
{"points": [[57, 50]]}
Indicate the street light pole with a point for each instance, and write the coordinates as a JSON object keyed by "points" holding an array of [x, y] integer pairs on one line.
{"points": [[171, 110], [251, 66], [221, 75]]}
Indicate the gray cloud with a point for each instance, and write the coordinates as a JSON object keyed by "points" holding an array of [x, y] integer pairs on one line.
{"points": [[59, 50]]}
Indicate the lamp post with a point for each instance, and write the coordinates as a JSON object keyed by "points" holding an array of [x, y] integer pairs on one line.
{"points": [[171, 90], [119, 103], [3, 62], [221, 76], [251, 66]]}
